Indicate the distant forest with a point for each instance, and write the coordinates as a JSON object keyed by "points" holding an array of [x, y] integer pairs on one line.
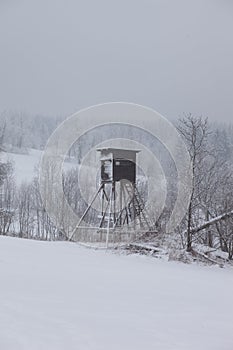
{"points": [[210, 146]]}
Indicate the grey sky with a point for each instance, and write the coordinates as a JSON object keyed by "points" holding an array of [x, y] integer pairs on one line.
{"points": [[176, 56]]}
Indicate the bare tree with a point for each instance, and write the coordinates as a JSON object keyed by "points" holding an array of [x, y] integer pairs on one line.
{"points": [[194, 131], [25, 210], [7, 195]]}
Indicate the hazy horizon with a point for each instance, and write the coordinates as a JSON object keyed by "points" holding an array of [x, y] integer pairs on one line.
{"points": [[173, 56]]}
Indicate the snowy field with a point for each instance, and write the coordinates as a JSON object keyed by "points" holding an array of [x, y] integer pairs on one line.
{"points": [[56, 296], [26, 165]]}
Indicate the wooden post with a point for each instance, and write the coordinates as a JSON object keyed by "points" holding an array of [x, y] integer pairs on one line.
{"points": [[109, 218]]}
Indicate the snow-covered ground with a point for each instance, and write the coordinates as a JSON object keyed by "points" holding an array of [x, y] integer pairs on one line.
{"points": [[26, 165], [56, 296]]}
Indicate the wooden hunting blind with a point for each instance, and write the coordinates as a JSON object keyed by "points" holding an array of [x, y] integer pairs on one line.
{"points": [[122, 211], [118, 164]]}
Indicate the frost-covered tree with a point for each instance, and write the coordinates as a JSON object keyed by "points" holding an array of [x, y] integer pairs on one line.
{"points": [[7, 198], [194, 131]]}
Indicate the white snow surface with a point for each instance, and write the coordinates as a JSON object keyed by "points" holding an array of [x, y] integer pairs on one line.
{"points": [[26, 165], [60, 296]]}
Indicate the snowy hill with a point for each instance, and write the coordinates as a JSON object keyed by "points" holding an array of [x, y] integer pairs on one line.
{"points": [[26, 164], [57, 296]]}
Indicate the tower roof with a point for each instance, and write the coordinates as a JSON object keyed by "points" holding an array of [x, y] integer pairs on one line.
{"points": [[116, 150]]}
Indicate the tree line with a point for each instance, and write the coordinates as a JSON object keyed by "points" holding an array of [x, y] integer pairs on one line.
{"points": [[210, 147]]}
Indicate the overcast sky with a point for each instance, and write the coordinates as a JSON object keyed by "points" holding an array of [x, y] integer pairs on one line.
{"points": [[176, 56]]}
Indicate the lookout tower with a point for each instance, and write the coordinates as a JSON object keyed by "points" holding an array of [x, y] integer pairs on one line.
{"points": [[122, 213], [118, 164]]}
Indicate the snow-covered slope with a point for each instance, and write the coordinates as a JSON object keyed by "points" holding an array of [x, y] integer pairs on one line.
{"points": [[26, 165], [56, 296]]}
